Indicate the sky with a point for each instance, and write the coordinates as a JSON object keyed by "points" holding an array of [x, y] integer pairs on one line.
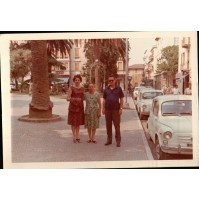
{"points": [[138, 47]]}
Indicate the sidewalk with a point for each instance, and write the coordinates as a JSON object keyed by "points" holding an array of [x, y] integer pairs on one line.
{"points": [[52, 142]]}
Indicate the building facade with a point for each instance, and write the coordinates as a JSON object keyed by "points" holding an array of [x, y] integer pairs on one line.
{"points": [[72, 63], [136, 71], [153, 57], [121, 73], [183, 77]]}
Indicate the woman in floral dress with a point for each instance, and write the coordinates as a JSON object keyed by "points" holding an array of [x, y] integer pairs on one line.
{"points": [[76, 107], [92, 112]]}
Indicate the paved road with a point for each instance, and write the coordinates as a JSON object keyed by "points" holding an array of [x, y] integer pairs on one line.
{"points": [[52, 142]]}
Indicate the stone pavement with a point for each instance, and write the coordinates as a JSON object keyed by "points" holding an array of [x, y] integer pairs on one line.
{"points": [[52, 141]]}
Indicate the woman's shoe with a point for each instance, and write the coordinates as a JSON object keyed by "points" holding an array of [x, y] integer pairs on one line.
{"points": [[89, 141], [75, 141], [78, 140], [94, 141]]}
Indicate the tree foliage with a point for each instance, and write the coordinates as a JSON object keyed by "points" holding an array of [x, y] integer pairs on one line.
{"points": [[169, 59], [20, 63], [107, 51], [52, 48]]}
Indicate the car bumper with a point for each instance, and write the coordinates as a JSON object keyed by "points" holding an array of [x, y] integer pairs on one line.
{"points": [[145, 113], [177, 150]]}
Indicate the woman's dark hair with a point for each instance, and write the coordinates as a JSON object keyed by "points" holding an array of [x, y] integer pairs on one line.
{"points": [[77, 76], [112, 75]]}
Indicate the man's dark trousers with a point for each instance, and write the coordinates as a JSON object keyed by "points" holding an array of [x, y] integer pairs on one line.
{"points": [[113, 116]]}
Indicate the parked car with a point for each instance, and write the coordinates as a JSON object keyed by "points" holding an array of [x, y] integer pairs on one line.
{"points": [[138, 95], [135, 92], [144, 101], [170, 125], [12, 87]]}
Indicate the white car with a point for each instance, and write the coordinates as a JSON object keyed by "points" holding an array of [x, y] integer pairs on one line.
{"points": [[135, 92], [144, 101], [12, 87], [170, 125], [138, 95]]}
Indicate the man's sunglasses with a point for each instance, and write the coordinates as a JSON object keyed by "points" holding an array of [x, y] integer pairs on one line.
{"points": [[111, 80]]}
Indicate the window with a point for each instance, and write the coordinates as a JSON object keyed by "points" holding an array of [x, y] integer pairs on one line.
{"points": [[66, 65], [76, 53], [183, 59], [177, 107], [76, 66], [58, 55], [120, 65], [65, 56]]}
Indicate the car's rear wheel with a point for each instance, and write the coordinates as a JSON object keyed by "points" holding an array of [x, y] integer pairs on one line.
{"points": [[159, 153]]}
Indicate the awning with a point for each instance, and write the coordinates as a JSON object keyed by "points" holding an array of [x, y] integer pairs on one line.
{"points": [[63, 79]]}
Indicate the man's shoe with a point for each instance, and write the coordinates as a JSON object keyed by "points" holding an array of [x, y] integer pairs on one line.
{"points": [[107, 143], [118, 145]]}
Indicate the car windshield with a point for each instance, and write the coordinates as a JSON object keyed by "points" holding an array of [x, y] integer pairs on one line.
{"points": [[177, 108], [151, 95]]}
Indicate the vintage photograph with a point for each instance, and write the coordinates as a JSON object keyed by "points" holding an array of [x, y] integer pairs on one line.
{"points": [[100, 99]]}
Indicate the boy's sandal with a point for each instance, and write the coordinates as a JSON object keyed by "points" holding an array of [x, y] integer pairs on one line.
{"points": [[89, 141], [94, 141]]}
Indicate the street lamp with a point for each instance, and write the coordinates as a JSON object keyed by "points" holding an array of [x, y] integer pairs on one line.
{"points": [[129, 84], [126, 105]]}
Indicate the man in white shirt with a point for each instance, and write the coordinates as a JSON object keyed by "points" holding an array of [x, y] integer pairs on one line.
{"points": [[188, 90], [175, 90]]}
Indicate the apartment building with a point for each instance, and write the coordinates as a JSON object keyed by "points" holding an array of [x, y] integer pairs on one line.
{"points": [[183, 77], [72, 63], [153, 57], [136, 71]]}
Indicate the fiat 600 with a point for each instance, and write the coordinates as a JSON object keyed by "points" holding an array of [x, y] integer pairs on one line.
{"points": [[170, 125]]}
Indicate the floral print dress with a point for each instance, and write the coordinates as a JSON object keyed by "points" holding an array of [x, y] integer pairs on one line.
{"points": [[91, 110]]}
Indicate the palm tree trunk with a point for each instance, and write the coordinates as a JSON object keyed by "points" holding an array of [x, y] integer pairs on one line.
{"points": [[40, 106]]}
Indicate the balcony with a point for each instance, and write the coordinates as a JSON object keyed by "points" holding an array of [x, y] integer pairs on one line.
{"points": [[186, 42]]}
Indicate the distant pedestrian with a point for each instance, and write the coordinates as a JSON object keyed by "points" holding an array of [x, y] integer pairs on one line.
{"points": [[188, 90], [92, 112], [76, 107], [112, 108], [63, 89], [175, 90]]}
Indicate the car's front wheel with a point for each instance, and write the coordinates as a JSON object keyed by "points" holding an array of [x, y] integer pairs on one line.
{"points": [[159, 153], [140, 115]]}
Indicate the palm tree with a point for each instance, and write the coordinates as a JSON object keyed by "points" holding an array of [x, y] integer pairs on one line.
{"points": [[95, 50], [118, 44], [41, 106]]}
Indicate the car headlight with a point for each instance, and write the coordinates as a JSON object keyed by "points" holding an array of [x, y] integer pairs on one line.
{"points": [[167, 135]]}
